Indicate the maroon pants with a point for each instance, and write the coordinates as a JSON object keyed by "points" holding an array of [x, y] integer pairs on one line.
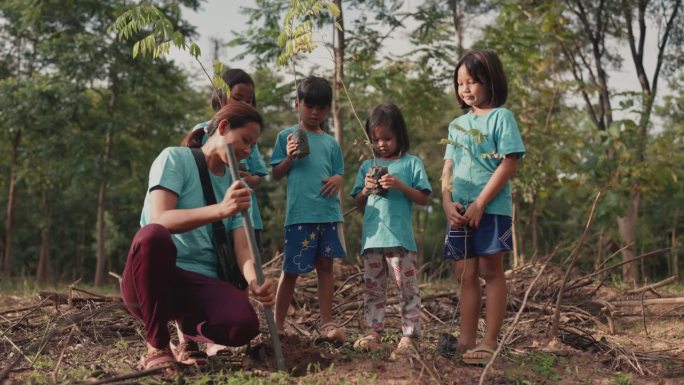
{"points": [[156, 291]]}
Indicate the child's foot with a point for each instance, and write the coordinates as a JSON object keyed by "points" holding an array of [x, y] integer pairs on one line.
{"points": [[331, 332], [407, 346], [480, 355], [370, 341]]}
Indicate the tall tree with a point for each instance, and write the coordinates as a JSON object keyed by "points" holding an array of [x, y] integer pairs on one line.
{"points": [[129, 110], [587, 48]]}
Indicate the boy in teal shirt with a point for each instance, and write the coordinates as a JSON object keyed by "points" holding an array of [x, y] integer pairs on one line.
{"points": [[313, 217]]}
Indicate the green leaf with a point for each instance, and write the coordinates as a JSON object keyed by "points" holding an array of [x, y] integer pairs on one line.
{"points": [[136, 49], [195, 50]]}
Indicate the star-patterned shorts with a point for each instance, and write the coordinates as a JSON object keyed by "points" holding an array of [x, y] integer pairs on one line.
{"points": [[304, 242]]}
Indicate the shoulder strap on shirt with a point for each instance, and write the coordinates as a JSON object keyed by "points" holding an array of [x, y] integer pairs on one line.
{"points": [[208, 190]]}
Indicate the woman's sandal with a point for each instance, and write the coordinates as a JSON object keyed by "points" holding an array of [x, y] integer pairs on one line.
{"points": [[370, 341], [330, 332], [189, 353], [160, 359]]}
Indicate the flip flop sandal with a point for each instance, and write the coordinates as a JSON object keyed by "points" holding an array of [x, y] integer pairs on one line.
{"points": [[406, 347], [330, 332], [483, 353], [370, 341], [160, 359], [189, 353]]}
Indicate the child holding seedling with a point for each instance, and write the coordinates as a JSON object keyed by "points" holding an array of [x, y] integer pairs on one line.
{"points": [[481, 158], [313, 217], [388, 243]]}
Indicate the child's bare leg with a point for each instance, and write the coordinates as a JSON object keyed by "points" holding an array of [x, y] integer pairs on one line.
{"points": [[286, 287], [324, 272], [470, 301], [492, 270]]}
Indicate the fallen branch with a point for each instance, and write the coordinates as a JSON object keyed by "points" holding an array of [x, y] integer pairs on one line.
{"points": [[645, 255], [652, 286], [647, 302]]}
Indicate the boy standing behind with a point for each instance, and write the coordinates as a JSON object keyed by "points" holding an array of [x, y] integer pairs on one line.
{"points": [[313, 215]]}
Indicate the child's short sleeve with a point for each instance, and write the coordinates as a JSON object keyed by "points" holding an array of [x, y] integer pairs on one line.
{"points": [[507, 136], [449, 153], [337, 160], [360, 179], [167, 172], [255, 162], [420, 178], [236, 222], [279, 149]]}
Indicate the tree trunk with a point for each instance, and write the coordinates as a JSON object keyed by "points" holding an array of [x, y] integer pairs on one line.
{"points": [[101, 255], [338, 85], [627, 228], [80, 248], [11, 204], [457, 17], [534, 227], [675, 255], [339, 75], [44, 270]]}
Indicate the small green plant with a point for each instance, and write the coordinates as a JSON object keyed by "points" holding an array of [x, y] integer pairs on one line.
{"points": [[121, 345], [538, 363], [622, 379]]}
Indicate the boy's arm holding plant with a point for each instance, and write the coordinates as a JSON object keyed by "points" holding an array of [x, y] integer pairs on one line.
{"points": [[503, 173], [281, 169], [451, 209]]}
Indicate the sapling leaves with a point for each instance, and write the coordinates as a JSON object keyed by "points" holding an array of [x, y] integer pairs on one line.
{"points": [[295, 39]]}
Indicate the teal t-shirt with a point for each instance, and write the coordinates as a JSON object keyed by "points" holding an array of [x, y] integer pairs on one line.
{"points": [[255, 166], [305, 204], [387, 220], [474, 163], [175, 170]]}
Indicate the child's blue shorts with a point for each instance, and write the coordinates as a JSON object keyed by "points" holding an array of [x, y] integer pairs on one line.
{"points": [[305, 242], [494, 235]]}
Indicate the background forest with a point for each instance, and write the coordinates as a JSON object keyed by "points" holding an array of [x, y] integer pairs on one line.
{"points": [[81, 122]]}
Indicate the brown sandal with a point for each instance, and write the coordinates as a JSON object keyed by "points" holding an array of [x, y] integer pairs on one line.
{"points": [[160, 359], [331, 332], [370, 341], [189, 353]]}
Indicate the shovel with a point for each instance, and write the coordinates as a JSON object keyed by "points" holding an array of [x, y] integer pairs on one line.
{"points": [[256, 257]]}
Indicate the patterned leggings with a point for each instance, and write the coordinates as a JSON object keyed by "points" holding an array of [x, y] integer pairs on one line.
{"points": [[403, 264]]}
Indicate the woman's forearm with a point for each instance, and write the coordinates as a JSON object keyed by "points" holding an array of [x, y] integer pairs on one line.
{"points": [[244, 258]]}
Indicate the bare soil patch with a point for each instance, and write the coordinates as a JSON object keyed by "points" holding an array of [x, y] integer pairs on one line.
{"points": [[76, 337]]}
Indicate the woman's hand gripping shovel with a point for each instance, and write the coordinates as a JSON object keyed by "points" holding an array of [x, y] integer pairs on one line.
{"points": [[256, 257]]}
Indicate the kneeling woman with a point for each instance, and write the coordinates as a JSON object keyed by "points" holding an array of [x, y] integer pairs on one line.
{"points": [[171, 270]]}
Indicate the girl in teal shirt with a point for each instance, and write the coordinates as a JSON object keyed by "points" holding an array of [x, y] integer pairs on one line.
{"points": [[387, 239], [481, 158]]}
